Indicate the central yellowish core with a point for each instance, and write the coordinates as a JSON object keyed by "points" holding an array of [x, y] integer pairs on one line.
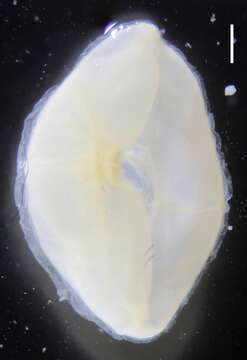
{"points": [[107, 166], [106, 162]]}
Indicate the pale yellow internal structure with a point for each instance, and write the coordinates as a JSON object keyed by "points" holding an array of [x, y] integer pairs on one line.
{"points": [[124, 189]]}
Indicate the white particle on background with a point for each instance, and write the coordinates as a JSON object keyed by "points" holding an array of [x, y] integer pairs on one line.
{"points": [[49, 302], [49, 54], [14, 2], [230, 227], [43, 350], [36, 18], [218, 43], [27, 51], [26, 328], [213, 18], [1, 346], [2, 276], [188, 45], [15, 322], [230, 90]]}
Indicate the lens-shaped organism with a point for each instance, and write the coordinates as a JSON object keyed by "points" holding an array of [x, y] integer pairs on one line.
{"points": [[120, 188]]}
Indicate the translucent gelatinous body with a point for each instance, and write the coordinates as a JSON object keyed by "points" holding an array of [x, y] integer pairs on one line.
{"points": [[124, 196]]}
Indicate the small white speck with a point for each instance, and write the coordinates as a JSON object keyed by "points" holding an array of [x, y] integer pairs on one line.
{"points": [[213, 18], [165, 19], [26, 328], [230, 227], [43, 350], [49, 54], [14, 2], [49, 302], [36, 18], [27, 51], [188, 45], [230, 90], [218, 43], [2, 276], [1, 346]]}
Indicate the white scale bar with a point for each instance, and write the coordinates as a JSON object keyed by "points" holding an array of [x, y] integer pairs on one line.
{"points": [[231, 44]]}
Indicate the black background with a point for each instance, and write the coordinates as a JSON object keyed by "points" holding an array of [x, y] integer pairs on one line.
{"points": [[40, 42]]}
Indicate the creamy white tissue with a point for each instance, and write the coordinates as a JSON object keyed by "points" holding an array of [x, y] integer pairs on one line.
{"points": [[119, 185]]}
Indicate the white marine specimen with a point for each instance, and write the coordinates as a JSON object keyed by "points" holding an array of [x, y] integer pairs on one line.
{"points": [[120, 188]]}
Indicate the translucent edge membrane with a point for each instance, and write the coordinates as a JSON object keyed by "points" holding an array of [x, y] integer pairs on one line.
{"points": [[64, 290]]}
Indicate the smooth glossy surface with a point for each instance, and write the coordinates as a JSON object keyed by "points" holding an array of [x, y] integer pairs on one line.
{"points": [[124, 190]]}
